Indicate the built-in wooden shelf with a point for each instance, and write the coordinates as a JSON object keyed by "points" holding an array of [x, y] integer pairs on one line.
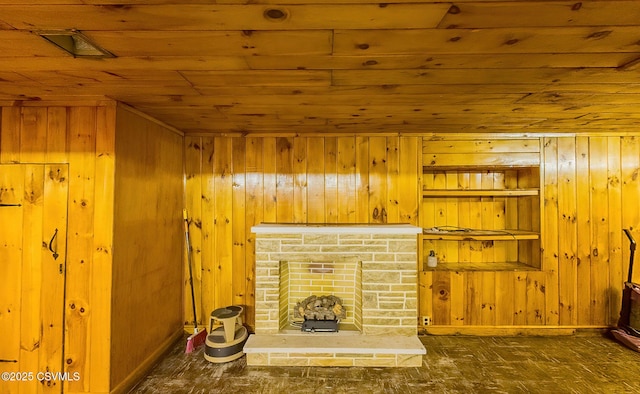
{"points": [[479, 235], [480, 193], [484, 266], [481, 202]]}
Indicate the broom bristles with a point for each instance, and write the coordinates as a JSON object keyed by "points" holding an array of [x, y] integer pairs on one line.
{"points": [[196, 339]]}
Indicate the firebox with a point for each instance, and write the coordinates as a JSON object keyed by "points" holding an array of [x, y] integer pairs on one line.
{"points": [[318, 286]]}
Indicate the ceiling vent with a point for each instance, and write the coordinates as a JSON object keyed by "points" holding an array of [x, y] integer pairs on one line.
{"points": [[75, 43]]}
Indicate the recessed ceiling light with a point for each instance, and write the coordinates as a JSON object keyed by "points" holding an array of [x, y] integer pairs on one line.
{"points": [[276, 14], [75, 43]]}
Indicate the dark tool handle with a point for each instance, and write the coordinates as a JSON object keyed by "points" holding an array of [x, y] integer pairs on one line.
{"points": [[633, 251], [188, 246]]}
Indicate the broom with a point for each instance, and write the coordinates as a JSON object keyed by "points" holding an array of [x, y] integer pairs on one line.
{"points": [[198, 337]]}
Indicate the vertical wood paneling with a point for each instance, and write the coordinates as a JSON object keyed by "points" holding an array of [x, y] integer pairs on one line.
{"points": [[511, 218], [33, 136], [103, 241], [630, 156], [428, 212], [464, 217], [205, 260], [32, 256], [425, 290], [299, 175], [308, 180], [475, 216], [504, 298], [599, 230], [520, 299], [346, 179], [499, 220], [332, 192], [583, 231], [254, 214], [208, 262], [222, 223], [56, 150], [457, 295], [546, 304], [270, 180], [351, 176], [393, 176], [614, 196], [536, 298], [567, 226], [362, 180], [56, 185], [409, 172], [450, 215], [378, 180], [10, 135], [473, 313], [82, 148], [194, 177], [70, 135], [488, 311], [284, 180], [486, 216], [238, 255], [147, 260], [440, 294], [316, 180], [446, 250], [80, 140]]}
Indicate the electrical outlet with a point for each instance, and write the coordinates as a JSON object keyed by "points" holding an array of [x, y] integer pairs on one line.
{"points": [[426, 320]]}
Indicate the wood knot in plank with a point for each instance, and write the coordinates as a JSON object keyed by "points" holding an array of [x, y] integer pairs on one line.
{"points": [[454, 10], [598, 35]]}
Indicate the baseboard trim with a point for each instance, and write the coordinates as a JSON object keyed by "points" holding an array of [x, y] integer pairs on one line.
{"points": [[512, 330], [143, 369]]}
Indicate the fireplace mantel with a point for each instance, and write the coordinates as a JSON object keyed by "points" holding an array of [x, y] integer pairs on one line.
{"points": [[332, 228]]}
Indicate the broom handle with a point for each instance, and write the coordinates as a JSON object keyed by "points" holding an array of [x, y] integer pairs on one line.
{"points": [[193, 294], [633, 250]]}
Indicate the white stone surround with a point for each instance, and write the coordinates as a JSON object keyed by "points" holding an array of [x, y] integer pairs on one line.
{"points": [[387, 255]]}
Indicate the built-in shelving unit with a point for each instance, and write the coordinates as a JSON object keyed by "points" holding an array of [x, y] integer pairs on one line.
{"points": [[481, 204]]}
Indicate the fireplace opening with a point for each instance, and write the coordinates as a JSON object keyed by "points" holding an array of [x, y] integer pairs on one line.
{"points": [[320, 296]]}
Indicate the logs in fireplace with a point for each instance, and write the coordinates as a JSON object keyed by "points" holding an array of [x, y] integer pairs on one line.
{"points": [[320, 313]]}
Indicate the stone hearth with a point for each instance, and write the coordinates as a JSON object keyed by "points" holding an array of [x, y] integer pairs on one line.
{"points": [[387, 326]]}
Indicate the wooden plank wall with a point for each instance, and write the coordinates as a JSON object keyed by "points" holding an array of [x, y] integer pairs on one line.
{"points": [[591, 191], [235, 183], [81, 137], [146, 301]]}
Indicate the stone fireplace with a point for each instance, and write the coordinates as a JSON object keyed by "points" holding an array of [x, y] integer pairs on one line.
{"points": [[373, 267]]}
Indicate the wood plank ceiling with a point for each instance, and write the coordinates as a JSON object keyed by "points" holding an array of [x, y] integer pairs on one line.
{"points": [[338, 67]]}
